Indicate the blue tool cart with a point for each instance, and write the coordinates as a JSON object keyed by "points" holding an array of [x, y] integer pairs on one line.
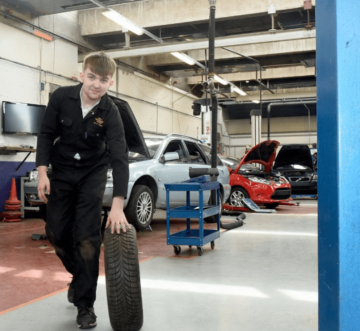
{"points": [[193, 237]]}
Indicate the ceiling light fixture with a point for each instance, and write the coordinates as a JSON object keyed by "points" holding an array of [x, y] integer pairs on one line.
{"points": [[255, 101], [183, 57], [123, 21], [221, 80], [238, 90]]}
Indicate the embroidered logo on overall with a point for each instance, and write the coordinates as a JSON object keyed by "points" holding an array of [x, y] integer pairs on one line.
{"points": [[99, 121]]}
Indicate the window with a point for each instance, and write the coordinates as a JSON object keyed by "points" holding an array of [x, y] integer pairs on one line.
{"points": [[176, 146], [207, 151], [196, 156]]}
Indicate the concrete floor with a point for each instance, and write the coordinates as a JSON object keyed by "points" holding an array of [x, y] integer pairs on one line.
{"points": [[259, 277]]}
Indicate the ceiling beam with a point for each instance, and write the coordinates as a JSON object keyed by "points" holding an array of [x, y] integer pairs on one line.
{"points": [[253, 38], [165, 13], [253, 50], [294, 71]]}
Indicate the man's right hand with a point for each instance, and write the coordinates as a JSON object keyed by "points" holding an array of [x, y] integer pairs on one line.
{"points": [[44, 183]]}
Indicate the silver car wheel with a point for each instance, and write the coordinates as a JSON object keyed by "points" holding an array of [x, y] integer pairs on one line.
{"points": [[144, 208], [236, 199]]}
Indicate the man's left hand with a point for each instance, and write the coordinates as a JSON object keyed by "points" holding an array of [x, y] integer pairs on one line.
{"points": [[117, 219]]}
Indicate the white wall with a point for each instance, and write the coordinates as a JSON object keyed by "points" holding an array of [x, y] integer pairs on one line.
{"points": [[20, 82], [158, 107]]}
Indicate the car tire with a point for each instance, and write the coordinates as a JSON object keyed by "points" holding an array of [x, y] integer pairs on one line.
{"points": [[123, 286], [271, 205], [236, 196], [213, 218], [140, 209]]}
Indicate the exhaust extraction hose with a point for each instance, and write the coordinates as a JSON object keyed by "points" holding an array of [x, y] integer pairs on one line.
{"points": [[214, 108]]}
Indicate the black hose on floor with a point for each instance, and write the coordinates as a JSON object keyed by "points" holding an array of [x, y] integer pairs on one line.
{"points": [[239, 222]]}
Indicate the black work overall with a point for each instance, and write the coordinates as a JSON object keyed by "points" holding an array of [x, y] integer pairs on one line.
{"points": [[79, 162]]}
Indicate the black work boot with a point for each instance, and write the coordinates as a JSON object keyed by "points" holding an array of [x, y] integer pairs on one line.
{"points": [[71, 293], [86, 318]]}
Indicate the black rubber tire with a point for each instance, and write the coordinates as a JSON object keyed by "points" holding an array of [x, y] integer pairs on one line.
{"points": [[237, 191], [271, 205], [212, 244], [140, 208], [200, 250], [212, 218], [122, 275]]}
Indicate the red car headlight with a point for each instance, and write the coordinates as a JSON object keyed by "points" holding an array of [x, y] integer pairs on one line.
{"points": [[259, 180]]}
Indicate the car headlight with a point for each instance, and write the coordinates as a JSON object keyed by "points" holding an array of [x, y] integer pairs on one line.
{"points": [[284, 179], [259, 180], [33, 176], [314, 178], [109, 174]]}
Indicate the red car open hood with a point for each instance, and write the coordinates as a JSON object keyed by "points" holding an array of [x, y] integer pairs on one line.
{"points": [[263, 153]]}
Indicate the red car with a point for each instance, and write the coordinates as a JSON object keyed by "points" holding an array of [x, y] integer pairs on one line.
{"points": [[254, 179]]}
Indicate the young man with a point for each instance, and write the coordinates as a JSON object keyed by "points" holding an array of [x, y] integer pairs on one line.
{"points": [[82, 120]]}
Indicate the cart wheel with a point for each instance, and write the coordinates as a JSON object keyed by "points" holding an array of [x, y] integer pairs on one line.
{"points": [[177, 250], [212, 244], [200, 250], [190, 246]]}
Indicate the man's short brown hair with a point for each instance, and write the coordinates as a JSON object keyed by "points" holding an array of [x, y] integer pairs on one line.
{"points": [[100, 64]]}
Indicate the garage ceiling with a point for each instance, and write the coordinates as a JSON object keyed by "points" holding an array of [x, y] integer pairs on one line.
{"points": [[46, 7]]}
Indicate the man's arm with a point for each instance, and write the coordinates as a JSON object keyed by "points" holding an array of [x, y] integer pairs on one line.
{"points": [[115, 138], [49, 130], [48, 133], [43, 184]]}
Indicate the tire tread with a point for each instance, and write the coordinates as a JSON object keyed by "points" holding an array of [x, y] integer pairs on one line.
{"points": [[123, 280]]}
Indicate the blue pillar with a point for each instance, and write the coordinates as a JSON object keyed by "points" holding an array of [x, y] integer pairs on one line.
{"points": [[338, 116]]}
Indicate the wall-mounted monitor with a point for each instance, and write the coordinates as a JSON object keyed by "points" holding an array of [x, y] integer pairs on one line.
{"points": [[21, 118]]}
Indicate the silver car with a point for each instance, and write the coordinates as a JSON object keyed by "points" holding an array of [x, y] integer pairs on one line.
{"points": [[153, 163], [170, 160]]}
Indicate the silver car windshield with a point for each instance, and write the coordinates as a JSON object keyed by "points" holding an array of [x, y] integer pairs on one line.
{"points": [[153, 145], [207, 151]]}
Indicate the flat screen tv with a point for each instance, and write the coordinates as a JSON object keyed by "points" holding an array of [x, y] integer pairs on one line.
{"points": [[21, 118]]}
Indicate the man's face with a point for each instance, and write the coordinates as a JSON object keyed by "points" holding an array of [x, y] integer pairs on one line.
{"points": [[94, 86]]}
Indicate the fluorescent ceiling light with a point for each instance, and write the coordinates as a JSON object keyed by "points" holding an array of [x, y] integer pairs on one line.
{"points": [[123, 21], [238, 90], [221, 80], [256, 101], [183, 57]]}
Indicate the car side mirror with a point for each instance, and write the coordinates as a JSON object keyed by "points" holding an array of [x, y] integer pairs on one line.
{"points": [[171, 156]]}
